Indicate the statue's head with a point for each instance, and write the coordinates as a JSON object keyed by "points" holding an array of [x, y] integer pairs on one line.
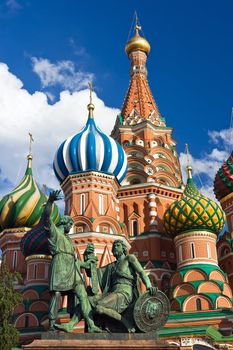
{"points": [[119, 247], [67, 222]]}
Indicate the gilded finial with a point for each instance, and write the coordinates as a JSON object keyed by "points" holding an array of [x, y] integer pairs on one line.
{"points": [[188, 167], [29, 157], [137, 26], [137, 42], [30, 143], [90, 105]]}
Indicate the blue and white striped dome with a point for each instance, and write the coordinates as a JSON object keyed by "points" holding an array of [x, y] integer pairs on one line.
{"points": [[89, 150]]}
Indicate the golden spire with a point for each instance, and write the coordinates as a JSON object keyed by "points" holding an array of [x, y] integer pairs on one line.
{"points": [[188, 167], [137, 42], [90, 105]]}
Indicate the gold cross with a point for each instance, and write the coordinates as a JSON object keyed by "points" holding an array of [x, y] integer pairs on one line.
{"points": [[137, 26], [187, 154], [30, 142], [91, 90]]}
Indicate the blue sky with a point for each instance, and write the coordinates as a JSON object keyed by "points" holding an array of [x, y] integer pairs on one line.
{"points": [[54, 47]]}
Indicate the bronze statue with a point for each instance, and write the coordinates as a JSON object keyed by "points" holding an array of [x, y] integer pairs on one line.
{"points": [[118, 283], [65, 267]]}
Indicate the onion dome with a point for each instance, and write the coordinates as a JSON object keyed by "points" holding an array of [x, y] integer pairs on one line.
{"points": [[90, 150], [137, 43], [193, 212], [223, 183], [35, 241], [24, 205]]}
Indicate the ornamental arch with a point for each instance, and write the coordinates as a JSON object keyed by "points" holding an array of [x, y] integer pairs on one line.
{"points": [[195, 275], [191, 303], [26, 320]]}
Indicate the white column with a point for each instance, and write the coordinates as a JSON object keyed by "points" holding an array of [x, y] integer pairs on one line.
{"points": [[153, 212]]}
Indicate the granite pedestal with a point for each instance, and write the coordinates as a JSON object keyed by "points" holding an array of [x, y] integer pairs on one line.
{"points": [[97, 341]]}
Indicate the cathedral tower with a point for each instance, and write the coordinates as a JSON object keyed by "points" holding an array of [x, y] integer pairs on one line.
{"points": [[194, 222], [90, 166], [153, 180]]}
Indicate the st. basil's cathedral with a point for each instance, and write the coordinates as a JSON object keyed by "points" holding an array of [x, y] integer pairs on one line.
{"points": [[129, 186]]}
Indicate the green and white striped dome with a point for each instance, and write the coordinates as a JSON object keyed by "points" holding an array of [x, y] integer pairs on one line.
{"points": [[24, 205]]}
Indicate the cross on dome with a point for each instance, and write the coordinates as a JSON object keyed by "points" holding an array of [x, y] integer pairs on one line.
{"points": [[90, 105]]}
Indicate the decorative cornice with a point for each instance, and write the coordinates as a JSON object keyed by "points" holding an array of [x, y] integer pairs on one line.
{"points": [[89, 173], [38, 256], [193, 233], [224, 199], [89, 235]]}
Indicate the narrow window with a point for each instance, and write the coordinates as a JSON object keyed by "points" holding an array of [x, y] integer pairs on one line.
{"points": [[101, 204], [135, 227], [35, 272], [180, 253], [198, 304], [192, 251], [208, 251], [26, 321], [82, 204], [165, 284], [14, 259]]}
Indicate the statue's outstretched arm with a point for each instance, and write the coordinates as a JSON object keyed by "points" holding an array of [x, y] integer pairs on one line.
{"points": [[53, 196]]}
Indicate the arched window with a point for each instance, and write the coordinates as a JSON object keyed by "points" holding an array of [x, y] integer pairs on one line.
{"points": [[135, 181]]}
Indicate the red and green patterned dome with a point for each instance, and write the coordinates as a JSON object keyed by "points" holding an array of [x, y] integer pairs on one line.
{"points": [[193, 212], [35, 241], [223, 183]]}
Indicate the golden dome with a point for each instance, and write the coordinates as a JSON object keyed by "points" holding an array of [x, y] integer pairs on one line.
{"points": [[137, 43]]}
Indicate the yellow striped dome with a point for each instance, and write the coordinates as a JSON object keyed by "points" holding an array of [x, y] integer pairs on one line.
{"points": [[193, 212], [24, 205]]}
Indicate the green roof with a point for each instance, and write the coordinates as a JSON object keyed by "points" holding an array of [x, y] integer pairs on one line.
{"points": [[207, 268], [210, 314], [208, 331]]}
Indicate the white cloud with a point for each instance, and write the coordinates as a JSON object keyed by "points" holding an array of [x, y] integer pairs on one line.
{"points": [[223, 138], [21, 112], [13, 5], [62, 73], [78, 50]]}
